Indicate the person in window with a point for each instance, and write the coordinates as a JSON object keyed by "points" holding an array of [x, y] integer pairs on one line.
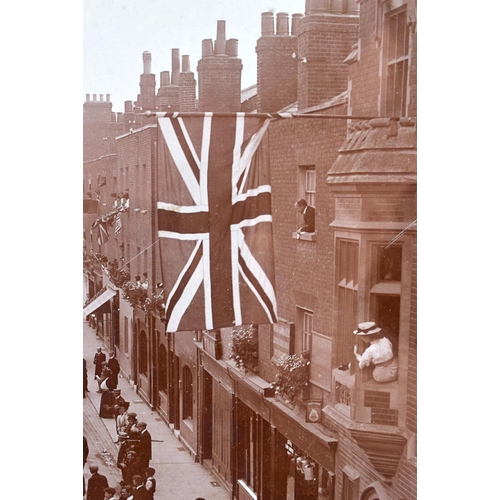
{"points": [[309, 216], [379, 353]]}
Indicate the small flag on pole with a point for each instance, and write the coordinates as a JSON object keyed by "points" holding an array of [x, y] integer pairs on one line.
{"points": [[118, 223], [102, 235]]}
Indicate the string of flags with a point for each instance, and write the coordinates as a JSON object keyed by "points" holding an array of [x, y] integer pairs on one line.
{"points": [[100, 225]]}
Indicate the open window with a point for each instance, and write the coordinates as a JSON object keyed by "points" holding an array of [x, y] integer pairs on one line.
{"points": [[306, 177]]}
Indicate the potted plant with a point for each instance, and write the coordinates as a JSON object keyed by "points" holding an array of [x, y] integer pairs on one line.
{"points": [[134, 293], [292, 377], [118, 275], [244, 348]]}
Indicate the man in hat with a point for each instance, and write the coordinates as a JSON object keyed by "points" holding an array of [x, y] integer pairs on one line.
{"points": [[130, 466], [128, 436], [114, 367], [379, 352], [99, 359], [144, 446]]}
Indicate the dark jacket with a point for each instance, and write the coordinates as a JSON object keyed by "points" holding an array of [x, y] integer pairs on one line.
{"points": [[309, 220], [114, 366], [95, 486], [144, 447]]}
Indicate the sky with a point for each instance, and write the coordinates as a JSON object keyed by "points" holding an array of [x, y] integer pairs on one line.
{"points": [[117, 32]]}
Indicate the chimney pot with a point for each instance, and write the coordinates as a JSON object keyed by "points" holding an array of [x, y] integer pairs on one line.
{"points": [[94, 97], [282, 23], [164, 78], [100, 97], [220, 42], [108, 97], [232, 47], [128, 106], [267, 24], [87, 97], [186, 68], [146, 62], [207, 48], [176, 65], [295, 22]]}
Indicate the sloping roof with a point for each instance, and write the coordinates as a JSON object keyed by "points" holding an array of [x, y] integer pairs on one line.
{"points": [[338, 99], [248, 93]]}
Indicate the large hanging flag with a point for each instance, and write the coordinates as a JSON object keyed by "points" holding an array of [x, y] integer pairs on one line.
{"points": [[214, 221]]}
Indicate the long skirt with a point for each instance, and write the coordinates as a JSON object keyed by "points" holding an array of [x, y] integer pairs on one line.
{"points": [[107, 406]]}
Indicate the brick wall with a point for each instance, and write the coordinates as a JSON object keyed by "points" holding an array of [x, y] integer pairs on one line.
{"points": [[349, 454], [276, 72], [365, 74], [219, 87], [136, 157], [411, 415], [325, 40], [148, 88], [304, 268]]}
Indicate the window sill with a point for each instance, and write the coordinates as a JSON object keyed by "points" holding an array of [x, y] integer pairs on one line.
{"points": [[304, 236]]}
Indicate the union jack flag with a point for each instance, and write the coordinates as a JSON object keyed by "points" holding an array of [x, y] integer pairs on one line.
{"points": [[102, 232], [214, 221]]}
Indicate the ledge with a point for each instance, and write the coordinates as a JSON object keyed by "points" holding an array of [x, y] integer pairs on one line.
{"points": [[304, 236], [383, 444]]}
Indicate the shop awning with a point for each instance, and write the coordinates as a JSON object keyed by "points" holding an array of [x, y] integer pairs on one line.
{"points": [[98, 301]]}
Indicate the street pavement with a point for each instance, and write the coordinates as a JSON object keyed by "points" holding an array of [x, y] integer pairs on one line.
{"points": [[178, 477]]}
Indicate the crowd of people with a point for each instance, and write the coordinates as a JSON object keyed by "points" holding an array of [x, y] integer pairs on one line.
{"points": [[132, 438]]}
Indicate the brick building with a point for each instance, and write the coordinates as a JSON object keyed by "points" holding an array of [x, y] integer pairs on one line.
{"points": [[346, 436]]}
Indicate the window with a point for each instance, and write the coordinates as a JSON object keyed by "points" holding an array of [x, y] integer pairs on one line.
{"points": [[187, 393], [307, 184], [347, 268], [397, 56], [385, 290], [143, 353], [305, 323]]}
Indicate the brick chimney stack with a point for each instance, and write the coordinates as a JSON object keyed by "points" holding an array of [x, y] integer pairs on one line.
{"points": [[168, 93], [277, 62], [97, 118], [146, 99], [187, 87], [326, 35], [219, 74]]}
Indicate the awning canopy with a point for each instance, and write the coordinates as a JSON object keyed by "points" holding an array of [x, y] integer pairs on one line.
{"points": [[98, 301]]}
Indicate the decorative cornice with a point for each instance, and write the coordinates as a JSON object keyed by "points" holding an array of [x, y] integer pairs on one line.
{"points": [[384, 450]]}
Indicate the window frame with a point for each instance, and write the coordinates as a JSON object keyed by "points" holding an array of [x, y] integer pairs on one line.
{"points": [[304, 334], [392, 62]]}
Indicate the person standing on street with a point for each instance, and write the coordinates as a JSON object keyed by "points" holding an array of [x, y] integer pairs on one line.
{"points": [[96, 484], [140, 492], [144, 446], [99, 359], [114, 366], [150, 483]]}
